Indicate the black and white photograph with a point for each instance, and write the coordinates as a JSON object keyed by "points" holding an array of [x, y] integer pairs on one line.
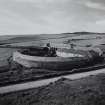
{"points": [[52, 52]]}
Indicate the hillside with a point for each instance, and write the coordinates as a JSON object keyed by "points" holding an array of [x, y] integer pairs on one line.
{"points": [[86, 91], [56, 40], [25, 38]]}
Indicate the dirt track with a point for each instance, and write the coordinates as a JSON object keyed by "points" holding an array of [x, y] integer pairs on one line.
{"points": [[34, 84]]}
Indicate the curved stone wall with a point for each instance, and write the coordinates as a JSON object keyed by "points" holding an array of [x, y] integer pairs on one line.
{"points": [[55, 63]]}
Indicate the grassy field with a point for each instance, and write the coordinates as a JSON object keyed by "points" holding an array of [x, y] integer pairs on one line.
{"points": [[85, 91], [57, 40]]}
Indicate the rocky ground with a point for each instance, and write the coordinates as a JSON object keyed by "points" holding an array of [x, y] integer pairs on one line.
{"points": [[85, 91]]}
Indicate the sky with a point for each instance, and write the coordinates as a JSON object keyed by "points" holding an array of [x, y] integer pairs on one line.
{"points": [[51, 16]]}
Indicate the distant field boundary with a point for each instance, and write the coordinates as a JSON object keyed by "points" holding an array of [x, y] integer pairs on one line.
{"points": [[4, 42]]}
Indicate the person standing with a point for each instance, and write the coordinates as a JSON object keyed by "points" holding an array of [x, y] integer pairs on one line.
{"points": [[47, 49]]}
